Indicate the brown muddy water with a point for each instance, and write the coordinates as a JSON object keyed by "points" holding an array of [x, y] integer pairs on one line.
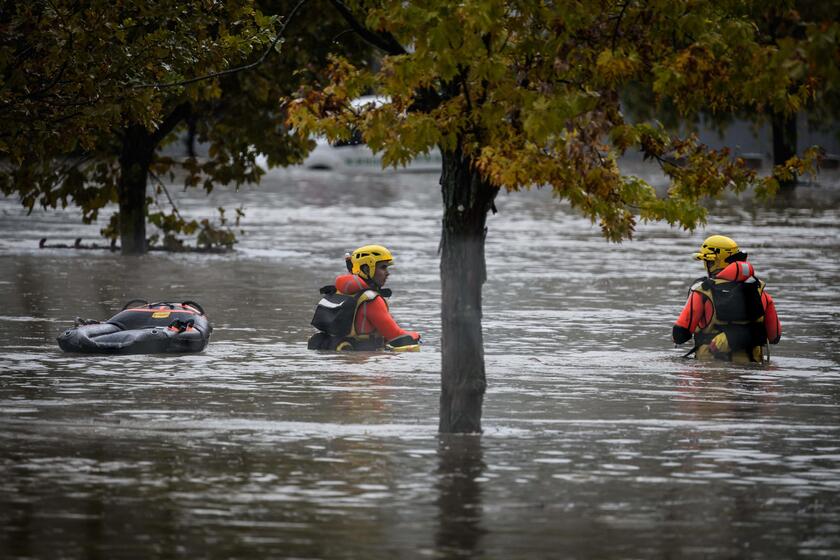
{"points": [[600, 440]]}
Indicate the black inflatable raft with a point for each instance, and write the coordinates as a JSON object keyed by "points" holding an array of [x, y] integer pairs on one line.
{"points": [[142, 328]]}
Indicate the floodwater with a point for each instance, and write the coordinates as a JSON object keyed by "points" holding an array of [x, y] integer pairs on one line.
{"points": [[599, 440]]}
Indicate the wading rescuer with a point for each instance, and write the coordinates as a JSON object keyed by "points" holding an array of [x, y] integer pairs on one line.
{"points": [[729, 313], [353, 313]]}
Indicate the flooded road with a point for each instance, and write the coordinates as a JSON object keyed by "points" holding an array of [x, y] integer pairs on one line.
{"points": [[600, 440]]}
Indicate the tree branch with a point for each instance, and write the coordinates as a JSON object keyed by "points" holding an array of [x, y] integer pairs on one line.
{"points": [[382, 41], [230, 71], [618, 24], [168, 196], [178, 114], [463, 72]]}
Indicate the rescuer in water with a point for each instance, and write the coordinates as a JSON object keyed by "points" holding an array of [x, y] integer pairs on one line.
{"points": [[353, 314], [729, 313]]}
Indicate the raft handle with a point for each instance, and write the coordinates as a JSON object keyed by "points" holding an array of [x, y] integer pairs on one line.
{"points": [[181, 326], [195, 305], [128, 304]]}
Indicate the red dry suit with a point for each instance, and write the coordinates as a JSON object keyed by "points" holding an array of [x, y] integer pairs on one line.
{"points": [[700, 318], [372, 317]]}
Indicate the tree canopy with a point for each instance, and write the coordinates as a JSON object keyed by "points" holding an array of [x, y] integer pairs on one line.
{"points": [[530, 91], [798, 67], [89, 91], [77, 78]]}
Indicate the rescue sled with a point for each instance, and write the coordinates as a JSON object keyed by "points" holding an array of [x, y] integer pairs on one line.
{"points": [[142, 328]]}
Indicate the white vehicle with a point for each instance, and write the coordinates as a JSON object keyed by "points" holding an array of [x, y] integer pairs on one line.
{"points": [[355, 156]]}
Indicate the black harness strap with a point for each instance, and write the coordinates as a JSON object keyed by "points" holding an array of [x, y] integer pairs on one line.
{"points": [[692, 351]]}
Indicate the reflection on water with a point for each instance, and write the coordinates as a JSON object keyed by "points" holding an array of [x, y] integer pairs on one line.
{"points": [[600, 441], [459, 496]]}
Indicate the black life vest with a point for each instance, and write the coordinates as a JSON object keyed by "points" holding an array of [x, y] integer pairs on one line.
{"points": [[738, 311], [335, 319]]}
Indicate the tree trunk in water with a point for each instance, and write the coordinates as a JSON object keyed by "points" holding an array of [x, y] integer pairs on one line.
{"points": [[137, 151], [466, 200], [784, 142]]}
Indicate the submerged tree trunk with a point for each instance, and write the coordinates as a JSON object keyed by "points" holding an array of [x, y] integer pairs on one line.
{"points": [[784, 142], [137, 151], [466, 200]]}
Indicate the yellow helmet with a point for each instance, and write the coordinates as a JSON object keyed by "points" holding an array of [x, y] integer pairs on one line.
{"points": [[716, 252], [369, 255]]}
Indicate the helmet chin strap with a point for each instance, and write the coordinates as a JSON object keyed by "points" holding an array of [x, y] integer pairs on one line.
{"points": [[737, 257], [368, 277], [709, 271]]}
